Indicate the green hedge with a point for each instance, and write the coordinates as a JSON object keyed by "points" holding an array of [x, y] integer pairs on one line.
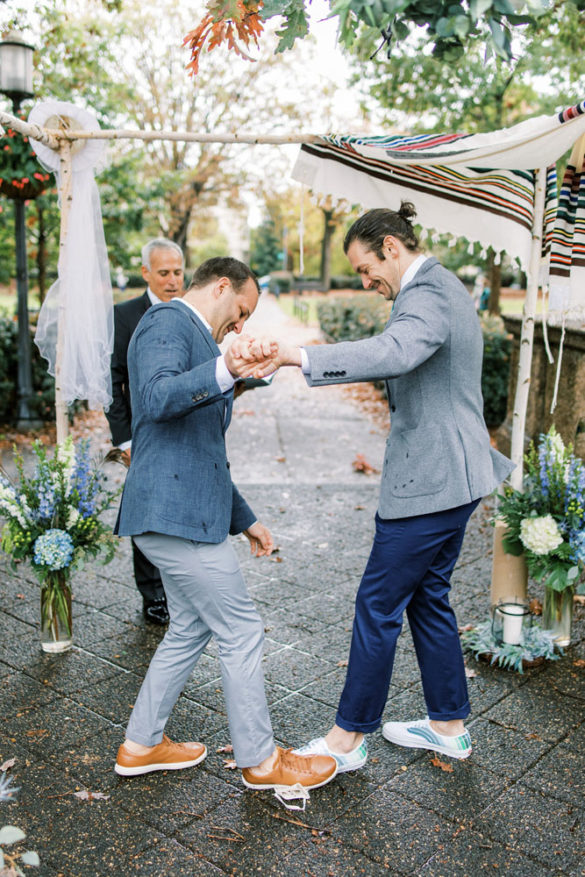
{"points": [[351, 317], [42, 403], [497, 352]]}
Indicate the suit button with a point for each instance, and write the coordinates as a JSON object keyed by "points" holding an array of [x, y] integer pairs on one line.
{"points": [[228, 465], [205, 395], [393, 408], [342, 374]]}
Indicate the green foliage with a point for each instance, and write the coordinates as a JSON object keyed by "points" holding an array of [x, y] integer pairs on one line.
{"points": [[20, 172], [42, 402], [349, 318], [450, 24], [62, 500], [345, 281], [546, 520], [495, 374], [537, 643], [265, 249]]}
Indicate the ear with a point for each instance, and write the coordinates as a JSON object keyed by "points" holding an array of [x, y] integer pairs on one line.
{"points": [[221, 284], [145, 272], [390, 243]]}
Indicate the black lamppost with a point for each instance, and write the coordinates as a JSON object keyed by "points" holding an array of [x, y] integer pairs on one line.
{"points": [[16, 67]]}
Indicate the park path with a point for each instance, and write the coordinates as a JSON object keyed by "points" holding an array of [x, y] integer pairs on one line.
{"points": [[514, 808]]}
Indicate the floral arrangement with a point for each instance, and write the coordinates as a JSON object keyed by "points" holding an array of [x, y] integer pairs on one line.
{"points": [[53, 521], [21, 175], [546, 521], [537, 643]]}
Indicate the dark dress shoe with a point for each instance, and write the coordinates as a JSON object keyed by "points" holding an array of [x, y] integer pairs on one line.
{"points": [[156, 612]]}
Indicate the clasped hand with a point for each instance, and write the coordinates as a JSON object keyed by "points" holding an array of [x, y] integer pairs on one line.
{"points": [[250, 357]]}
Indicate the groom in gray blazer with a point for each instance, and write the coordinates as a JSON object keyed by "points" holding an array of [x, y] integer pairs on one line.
{"points": [[437, 466], [180, 504]]}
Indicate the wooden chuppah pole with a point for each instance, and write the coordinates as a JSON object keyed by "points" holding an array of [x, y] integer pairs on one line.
{"points": [[65, 181], [509, 573]]}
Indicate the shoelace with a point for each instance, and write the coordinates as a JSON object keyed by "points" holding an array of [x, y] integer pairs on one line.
{"points": [[292, 760], [284, 794]]}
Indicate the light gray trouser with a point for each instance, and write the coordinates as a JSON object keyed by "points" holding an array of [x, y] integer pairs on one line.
{"points": [[206, 596]]}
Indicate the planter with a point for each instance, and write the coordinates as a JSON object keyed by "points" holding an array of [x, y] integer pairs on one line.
{"points": [[557, 614], [56, 619], [22, 192]]}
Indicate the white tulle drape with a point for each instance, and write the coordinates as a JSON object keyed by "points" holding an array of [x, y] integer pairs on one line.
{"points": [[82, 295]]}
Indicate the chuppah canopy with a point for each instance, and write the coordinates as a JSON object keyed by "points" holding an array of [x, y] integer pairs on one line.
{"points": [[479, 186]]}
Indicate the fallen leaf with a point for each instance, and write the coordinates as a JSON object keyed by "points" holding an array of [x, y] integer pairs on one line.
{"points": [[20, 596], [91, 796], [276, 559], [579, 663], [360, 464], [281, 459], [7, 764], [579, 598], [535, 606], [470, 673], [342, 663], [229, 764], [359, 508], [533, 737], [227, 748], [436, 761], [466, 627]]}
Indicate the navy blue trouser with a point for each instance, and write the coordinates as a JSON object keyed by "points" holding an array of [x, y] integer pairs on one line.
{"points": [[409, 568]]}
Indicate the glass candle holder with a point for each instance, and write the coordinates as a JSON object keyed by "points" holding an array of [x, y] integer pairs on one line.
{"points": [[510, 620]]}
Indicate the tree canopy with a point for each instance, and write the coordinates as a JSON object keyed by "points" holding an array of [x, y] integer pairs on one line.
{"points": [[449, 25]]}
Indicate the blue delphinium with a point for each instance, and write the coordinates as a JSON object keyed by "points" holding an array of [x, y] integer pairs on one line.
{"points": [[46, 493], [53, 549], [86, 483], [577, 542]]}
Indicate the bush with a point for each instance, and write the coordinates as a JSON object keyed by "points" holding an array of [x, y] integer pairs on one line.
{"points": [[497, 350], [349, 318], [342, 281], [42, 402]]}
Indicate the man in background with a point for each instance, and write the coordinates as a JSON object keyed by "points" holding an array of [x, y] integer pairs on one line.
{"points": [[163, 270]]}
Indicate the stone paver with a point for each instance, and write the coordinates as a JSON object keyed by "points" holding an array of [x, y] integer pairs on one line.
{"points": [[515, 808]]}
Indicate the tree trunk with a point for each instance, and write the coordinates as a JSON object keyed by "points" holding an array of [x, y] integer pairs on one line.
{"points": [[328, 230], [42, 254]]}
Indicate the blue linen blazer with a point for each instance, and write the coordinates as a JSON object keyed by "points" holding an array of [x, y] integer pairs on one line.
{"points": [[438, 454], [179, 481]]}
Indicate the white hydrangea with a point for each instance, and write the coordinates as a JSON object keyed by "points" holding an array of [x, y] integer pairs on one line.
{"points": [[540, 535]]}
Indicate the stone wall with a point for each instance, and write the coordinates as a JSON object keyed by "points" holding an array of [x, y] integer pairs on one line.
{"points": [[569, 414]]}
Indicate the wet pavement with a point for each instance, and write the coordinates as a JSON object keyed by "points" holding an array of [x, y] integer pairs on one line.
{"points": [[516, 807]]}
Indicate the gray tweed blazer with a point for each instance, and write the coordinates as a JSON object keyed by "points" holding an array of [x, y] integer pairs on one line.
{"points": [[438, 454]]}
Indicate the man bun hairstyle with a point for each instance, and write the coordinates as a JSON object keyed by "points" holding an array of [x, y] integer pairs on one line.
{"points": [[223, 266], [371, 228]]}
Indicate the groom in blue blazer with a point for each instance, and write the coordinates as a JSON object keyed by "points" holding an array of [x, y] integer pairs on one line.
{"points": [[180, 505]]}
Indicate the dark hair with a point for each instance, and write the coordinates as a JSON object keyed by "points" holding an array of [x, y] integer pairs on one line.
{"points": [[371, 228], [223, 266]]}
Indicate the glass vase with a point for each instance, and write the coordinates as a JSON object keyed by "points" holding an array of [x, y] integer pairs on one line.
{"points": [[56, 619], [557, 614]]}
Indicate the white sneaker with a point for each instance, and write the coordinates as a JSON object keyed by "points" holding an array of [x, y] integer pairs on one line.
{"points": [[420, 735], [345, 760]]}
